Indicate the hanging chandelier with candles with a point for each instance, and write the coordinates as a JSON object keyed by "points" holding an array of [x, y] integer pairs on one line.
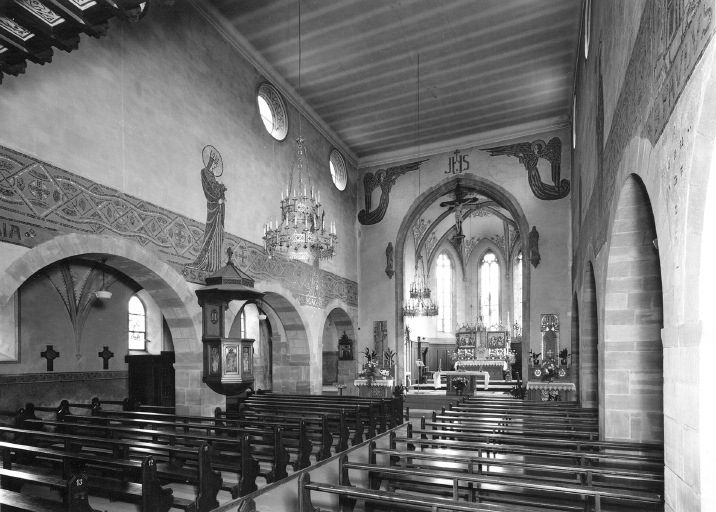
{"points": [[301, 233], [420, 303]]}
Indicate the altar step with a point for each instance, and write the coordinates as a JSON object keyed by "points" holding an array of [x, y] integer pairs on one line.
{"points": [[496, 385]]}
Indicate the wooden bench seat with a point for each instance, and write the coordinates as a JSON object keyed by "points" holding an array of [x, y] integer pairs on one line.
{"points": [[586, 475], [390, 501], [74, 489], [125, 441], [648, 451], [504, 484], [581, 458], [152, 496]]}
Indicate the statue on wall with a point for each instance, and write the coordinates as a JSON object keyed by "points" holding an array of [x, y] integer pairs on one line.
{"points": [[535, 257], [389, 260], [385, 179], [209, 258], [529, 154]]}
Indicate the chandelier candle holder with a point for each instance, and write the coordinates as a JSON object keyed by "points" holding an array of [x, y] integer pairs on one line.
{"points": [[420, 302], [301, 234]]}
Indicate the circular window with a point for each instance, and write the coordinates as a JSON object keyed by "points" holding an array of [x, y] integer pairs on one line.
{"points": [[273, 111], [338, 169]]}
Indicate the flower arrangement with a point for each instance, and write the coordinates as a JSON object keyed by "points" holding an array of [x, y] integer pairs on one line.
{"points": [[459, 383], [384, 373]]}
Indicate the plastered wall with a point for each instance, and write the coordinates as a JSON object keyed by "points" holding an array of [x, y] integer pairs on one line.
{"points": [[133, 111]]}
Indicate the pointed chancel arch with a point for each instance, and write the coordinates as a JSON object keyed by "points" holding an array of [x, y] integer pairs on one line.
{"points": [[469, 183], [633, 319]]}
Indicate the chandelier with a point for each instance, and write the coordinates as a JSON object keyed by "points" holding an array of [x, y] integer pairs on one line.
{"points": [[419, 303], [301, 233]]}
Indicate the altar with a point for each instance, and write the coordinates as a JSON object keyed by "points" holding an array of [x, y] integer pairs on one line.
{"points": [[470, 378], [544, 391], [495, 367], [378, 388]]}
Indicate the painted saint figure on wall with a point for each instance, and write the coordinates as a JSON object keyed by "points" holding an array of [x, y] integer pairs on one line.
{"points": [[209, 258]]}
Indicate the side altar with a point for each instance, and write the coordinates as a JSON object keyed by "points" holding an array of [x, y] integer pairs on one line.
{"points": [[376, 379]]}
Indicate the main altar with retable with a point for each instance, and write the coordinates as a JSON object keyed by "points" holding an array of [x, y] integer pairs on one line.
{"points": [[478, 352]]}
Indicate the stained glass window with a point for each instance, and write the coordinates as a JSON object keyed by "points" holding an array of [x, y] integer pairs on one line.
{"points": [[137, 324], [490, 290], [444, 275]]}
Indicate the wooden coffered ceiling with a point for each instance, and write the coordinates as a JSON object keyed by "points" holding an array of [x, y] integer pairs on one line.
{"points": [[489, 69], [31, 30]]}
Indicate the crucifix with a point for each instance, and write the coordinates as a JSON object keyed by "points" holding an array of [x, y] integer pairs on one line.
{"points": [[106, 355], [50, 354], [456, 206]]}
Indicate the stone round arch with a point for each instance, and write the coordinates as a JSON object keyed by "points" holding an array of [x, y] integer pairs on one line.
{"points": [[291, 354], [633, 319], [174, 296], [468, 182]]}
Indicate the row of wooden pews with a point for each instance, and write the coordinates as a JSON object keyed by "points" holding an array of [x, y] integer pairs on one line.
{"points": [[496, 454], [125, 453]]}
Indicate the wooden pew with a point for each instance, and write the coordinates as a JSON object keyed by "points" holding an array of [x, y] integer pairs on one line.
{"points": [[317, 430], [332, 424], [390, 501], [389, 414], [207, 480], [74, 491], [506, 416], [345, 420], [445, 422], [453, 431], [151, 496], [582, 458], [502, 489], [472, 463], [125, 439]]}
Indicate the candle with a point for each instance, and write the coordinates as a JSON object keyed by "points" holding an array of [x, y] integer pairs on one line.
{"points": [[282, 196], [270, 224]]}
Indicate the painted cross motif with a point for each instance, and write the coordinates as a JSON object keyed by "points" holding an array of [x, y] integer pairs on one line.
{"points": [[106, 355], [50, 354]]}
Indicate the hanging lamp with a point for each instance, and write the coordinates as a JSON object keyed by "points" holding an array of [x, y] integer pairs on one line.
{"points": [[301, 233], [103, 294]]}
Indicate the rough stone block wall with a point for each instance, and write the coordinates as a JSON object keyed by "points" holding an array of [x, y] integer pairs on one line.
{"points": [[633, 319]]}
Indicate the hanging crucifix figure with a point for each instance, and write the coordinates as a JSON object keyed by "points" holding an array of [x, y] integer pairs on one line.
{"points": [[457, 206]]}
